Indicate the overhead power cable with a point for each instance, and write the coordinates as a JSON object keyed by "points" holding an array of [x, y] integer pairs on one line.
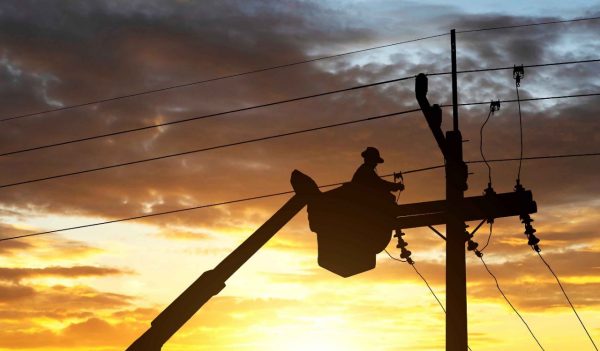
{"points": [[510, 304], [248, 141], [210, 115], [198, 82], [275, 136], [422, 278], [151, 91], [568, 300], [528, 25], [418, 170], [274, 103]]}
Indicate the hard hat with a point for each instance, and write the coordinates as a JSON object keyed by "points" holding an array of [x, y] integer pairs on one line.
{"points": [[372, 154]]}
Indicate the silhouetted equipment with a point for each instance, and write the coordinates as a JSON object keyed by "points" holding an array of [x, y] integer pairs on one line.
{"points": [[456, 209], [212, 282], [495, 105], [354, 223], [518, 74]]}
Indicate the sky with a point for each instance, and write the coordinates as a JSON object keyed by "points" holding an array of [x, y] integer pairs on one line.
{"points": [[99, 288]]}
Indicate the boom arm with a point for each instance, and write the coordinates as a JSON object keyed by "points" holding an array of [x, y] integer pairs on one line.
{"points": [[210, 283]]}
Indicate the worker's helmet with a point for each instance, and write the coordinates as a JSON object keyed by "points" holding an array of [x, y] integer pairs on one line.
{"points": [[371, 154]]}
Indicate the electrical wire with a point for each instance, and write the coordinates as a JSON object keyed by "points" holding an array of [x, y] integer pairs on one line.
{"points": [[205, 116], [568, 299], [248, 141], [510, 304], [430, 289], [151, 91], [273, 103], [481, 146], [488, 238], [520, 134], [424, 280], [418, 170], [527, 25], [182, 85], [586, 154]]}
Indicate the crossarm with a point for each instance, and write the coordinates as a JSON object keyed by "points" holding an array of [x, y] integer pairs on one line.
{"points": [[475, 208]]}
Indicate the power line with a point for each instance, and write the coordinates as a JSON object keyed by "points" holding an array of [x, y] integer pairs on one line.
{"points": [[210, 115], [510, 304], [207, 148], [182, 85], [192, 208], [520, 133], [504, 68], [274, 103], [538, 157], [418, 170], [424, 280], [248, 141], [568, 300], [527, 25], [151, 91]]}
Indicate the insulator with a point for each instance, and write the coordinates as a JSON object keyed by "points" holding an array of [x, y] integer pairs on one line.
{"points": [[468, 236], [526, 219], [405, 254], [537, 248], [518, 74], [494, 105], [529, 229], [533, 240], [472, 246], [401, 244], [518, 186], [399, 233]]}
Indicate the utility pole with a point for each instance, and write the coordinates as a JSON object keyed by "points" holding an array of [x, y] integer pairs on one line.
{"points": [[456, 184]]}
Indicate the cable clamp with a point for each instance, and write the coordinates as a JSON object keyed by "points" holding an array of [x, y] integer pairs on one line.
{"points": [[518, 74], [494, 106]]}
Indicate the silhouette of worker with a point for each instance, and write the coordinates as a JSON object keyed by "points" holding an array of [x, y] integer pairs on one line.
{"points": [[366, 176]]}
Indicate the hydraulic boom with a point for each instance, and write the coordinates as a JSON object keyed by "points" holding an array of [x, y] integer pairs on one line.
{"points": [[210, 283]]}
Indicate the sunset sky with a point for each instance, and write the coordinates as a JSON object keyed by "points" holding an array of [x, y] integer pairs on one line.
{"points": [[99, 288]]}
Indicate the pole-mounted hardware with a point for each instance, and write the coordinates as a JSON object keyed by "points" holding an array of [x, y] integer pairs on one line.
{"points": [[518, 74], [494, 106]]}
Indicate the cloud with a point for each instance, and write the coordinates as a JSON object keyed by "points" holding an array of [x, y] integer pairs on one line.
{"points": [[17, 274]]}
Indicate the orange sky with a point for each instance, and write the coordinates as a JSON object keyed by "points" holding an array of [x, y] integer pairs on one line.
{"points": [[99, 288]]}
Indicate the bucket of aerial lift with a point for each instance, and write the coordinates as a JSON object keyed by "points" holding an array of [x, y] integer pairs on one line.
{"points": [[353, 225]]}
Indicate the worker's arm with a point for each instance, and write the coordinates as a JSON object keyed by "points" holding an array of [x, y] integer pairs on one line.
{"points": [[390, 186]]}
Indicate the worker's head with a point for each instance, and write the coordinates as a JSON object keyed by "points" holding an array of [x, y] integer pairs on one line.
{"points": [[371, 156]]}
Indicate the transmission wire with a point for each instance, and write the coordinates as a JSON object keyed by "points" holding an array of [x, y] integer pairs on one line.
{"points": [[520, 134], [150, 91], [568, 299], [510, 304], [35, 180], [277, 194], [424, 280], [273, 103]]}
